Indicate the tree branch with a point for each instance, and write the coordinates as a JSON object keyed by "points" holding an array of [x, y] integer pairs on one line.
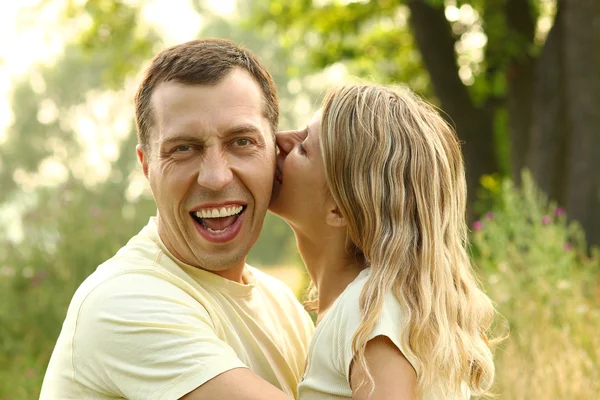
{"points": [[433, 36]]}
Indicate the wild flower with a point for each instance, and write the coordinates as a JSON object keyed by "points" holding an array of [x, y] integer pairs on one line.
{"points": [[39, 278]]}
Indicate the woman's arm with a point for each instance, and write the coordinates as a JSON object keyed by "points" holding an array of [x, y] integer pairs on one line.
{"points": [[392, 373], [237, 384]]}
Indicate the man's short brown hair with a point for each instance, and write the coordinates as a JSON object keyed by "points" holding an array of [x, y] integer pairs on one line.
{"points": [[201, 62]]}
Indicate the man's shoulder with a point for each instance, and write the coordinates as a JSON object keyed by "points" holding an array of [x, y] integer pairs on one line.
{"points": [[140, 256], [140, 268]]}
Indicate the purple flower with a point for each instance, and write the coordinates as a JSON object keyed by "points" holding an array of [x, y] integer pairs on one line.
{"points": [[489, 216], [39, 278], [477, 225], [559, 212], [95, 212], [568, 246], [546, 220]]}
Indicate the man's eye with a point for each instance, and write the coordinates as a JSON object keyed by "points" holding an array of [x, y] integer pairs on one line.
{"points": [[242, 142], [184, 148]]}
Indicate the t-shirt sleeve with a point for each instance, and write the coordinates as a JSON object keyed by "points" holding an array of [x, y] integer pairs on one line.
{"points": [[139, 336], [390, 324]]}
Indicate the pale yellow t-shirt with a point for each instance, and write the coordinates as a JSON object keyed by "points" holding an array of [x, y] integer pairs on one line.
{"points": [[330, 352], [146, 326]]}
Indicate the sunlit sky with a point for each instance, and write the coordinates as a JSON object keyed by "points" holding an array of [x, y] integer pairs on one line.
{"points": [[25, 44]]}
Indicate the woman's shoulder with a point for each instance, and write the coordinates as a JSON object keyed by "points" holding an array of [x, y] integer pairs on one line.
{"points": [[350, 300]]}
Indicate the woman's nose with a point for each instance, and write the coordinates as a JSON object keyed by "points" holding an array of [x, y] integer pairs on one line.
{"points": [[285, 141]]}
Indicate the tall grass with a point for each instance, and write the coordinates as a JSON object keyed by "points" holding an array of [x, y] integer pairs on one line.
{"points": [[535, 265]]}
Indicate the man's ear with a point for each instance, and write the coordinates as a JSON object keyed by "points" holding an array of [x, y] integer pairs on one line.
{"points": [[334, 217], [142, 158]]}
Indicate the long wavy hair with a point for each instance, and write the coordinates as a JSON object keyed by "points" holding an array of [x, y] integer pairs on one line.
{"points": [[394, 167]]}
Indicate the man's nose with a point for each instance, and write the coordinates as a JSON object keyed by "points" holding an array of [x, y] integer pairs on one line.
{"points": [[286, 140], [215, 172]]}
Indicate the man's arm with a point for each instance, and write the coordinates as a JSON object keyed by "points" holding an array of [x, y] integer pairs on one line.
{"points": [[237, 384], [393, 375]]}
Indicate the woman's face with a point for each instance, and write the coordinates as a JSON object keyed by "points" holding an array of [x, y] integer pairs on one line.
{"points": [[300, 189]]}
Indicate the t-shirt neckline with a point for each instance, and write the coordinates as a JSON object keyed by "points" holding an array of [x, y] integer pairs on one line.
{"points": [[202, 276]]}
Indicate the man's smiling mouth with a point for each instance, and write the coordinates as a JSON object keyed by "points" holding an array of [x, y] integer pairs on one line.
{"points": [[218, 219]]}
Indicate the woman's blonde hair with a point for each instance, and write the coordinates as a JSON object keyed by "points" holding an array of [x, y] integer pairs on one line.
{"points": [[395, 170]]}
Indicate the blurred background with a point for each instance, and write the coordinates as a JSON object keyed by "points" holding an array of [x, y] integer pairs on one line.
{"points": [[519, 79]]}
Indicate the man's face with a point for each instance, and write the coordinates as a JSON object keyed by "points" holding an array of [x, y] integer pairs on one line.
{"points": [[210, 167]]}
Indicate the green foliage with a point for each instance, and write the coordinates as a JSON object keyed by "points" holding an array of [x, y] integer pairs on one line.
{"points": [[114, 36], [275, 245], [371, 38]]}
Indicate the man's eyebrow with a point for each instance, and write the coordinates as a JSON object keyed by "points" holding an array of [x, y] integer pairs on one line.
{"points": [[242, 129], [181, 138]]}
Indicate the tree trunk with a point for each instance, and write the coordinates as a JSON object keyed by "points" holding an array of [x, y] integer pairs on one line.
{"points": [[520, 115], [581, 47], [434, 39], [520, 78], [547, 152]]}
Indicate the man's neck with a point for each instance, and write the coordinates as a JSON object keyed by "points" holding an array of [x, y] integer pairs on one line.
{"points": [[236, 273], [330, 267]]}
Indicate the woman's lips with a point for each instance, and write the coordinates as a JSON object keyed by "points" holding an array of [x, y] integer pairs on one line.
{"points": [[278, 175]]}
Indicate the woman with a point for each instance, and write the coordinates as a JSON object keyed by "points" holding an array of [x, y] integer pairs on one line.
{"points": [[374, 189]]}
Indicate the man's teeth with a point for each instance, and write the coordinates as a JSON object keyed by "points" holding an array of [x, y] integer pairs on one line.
{"points": [[215, 230], [218, 212]]}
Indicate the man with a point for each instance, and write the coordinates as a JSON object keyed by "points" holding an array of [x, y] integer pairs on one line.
{"points": [[177, 313]]}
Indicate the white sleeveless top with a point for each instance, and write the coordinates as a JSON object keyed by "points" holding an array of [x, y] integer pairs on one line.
{"points": [[330, 352]]}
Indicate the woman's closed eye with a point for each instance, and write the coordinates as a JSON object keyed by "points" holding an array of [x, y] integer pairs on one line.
{"points": [[301, 149]]}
